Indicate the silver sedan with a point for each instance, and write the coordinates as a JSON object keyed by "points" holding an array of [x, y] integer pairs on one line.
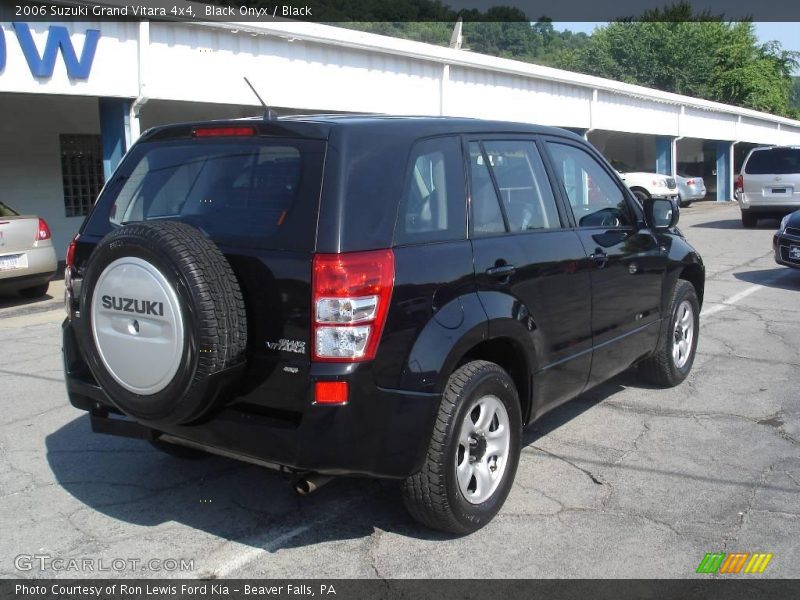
{"points": [[27, 257], [690, 189]]}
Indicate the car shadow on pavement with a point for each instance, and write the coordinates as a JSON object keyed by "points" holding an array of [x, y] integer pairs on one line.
{"points": [[130, 481], [765, 223], [15, 300], [782, 278]]}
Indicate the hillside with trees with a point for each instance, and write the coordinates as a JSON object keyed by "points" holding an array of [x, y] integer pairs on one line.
{"points": [[673, 49]]}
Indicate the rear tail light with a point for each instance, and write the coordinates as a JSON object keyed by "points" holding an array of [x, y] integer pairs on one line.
{"points": [[739, 183], [351, 294], [71, 251], [43, 231]]}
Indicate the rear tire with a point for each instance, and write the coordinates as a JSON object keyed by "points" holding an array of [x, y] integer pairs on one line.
{"points": [[36, 291], [677, 344], [749, 220], [477, 433]]}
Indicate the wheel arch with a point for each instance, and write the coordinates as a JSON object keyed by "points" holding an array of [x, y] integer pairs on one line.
{"points": [[512, 357], [694, 274]]}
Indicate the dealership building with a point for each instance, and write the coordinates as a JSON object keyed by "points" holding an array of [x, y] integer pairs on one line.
{"points": [[75, 95]]}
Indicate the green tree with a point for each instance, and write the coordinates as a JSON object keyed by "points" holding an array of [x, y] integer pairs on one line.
{"points": [[698, 55]]}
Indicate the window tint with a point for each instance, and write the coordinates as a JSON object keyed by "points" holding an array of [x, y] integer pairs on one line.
{"points": [[594, 196], [486, 216], [775, 161], [524, 189], [259, 190], [433, 207]]}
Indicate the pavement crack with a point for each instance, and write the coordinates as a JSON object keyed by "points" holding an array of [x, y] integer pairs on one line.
{"points": [[586, 472]]}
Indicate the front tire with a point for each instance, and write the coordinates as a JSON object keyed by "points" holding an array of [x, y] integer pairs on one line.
{"points": [[473, 453], [677, 344]]}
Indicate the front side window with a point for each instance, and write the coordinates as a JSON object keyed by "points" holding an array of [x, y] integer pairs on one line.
{"points": [[433, 207], [594, 196]]}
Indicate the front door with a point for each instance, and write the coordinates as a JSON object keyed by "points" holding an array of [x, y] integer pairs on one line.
{"points": [[628, 265]]}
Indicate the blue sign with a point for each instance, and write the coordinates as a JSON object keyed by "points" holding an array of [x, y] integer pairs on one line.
{"points": [[57, 40]]}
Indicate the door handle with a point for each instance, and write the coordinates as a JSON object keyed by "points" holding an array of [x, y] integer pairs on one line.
{"points": [[501, 271], [599, 258]]}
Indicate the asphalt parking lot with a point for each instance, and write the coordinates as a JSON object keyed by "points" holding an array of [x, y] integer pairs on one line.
{"points": [[627, 481]]}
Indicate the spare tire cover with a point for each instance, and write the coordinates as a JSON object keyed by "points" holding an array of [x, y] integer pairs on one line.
{"points": [[163, 320]]}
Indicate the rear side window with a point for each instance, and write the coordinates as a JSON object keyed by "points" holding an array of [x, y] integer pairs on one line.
{"points": [[525, 196], [433, 207], [258, 192], [524, 188], [775, 161]]}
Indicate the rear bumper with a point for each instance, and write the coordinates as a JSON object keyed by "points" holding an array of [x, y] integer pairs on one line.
{"points": [[380, 432], [42, 265], [757, 203]]}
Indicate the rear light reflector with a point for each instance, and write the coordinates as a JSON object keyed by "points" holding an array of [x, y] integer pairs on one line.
{"points": [[350, 296], [43, 231], [330, 392], [223, 131], [690, 182]]}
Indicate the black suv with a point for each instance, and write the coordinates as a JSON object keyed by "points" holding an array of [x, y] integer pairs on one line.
{"points": [[385, 296]]}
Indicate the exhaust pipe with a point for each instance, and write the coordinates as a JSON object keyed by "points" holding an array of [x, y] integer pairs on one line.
{"points": [[310, 482]]}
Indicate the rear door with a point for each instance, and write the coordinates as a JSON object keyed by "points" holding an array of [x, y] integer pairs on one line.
{"points": [[627, 266], [531, 269], [257, 198]]}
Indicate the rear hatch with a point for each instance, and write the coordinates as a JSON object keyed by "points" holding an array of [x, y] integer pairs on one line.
{"points": [[772, 176], [255, 196], [17, 235]]}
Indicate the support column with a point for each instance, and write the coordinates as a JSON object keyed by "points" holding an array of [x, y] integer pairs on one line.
{"points": [[114, 131], [724, 171], [664, 155]]}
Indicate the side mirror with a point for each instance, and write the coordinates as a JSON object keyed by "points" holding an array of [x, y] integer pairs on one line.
{"points": [[660, 213]]}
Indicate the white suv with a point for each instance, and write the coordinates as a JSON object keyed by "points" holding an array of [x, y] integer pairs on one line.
{"points": [[769, 183], [646, 185]]}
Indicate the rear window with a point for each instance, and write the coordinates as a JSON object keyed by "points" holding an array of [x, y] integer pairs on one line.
{"points": [[255, 192], [5, 211], [775, 161]]}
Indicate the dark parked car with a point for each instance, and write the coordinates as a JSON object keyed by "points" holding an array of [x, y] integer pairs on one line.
{"points": [[786, 242], [391, 297]]}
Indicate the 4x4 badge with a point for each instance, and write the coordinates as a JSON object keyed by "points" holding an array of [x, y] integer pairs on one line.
{"points": [[285, 345]]}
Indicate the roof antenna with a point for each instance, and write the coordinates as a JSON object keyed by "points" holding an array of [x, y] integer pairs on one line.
{"points": [[269, 115]]}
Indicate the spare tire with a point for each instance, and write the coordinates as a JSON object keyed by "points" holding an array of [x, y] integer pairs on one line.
{"points": [[163, 322]]}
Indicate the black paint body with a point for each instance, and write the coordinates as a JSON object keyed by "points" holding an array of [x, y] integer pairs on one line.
{"points": [[560, 322]]}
